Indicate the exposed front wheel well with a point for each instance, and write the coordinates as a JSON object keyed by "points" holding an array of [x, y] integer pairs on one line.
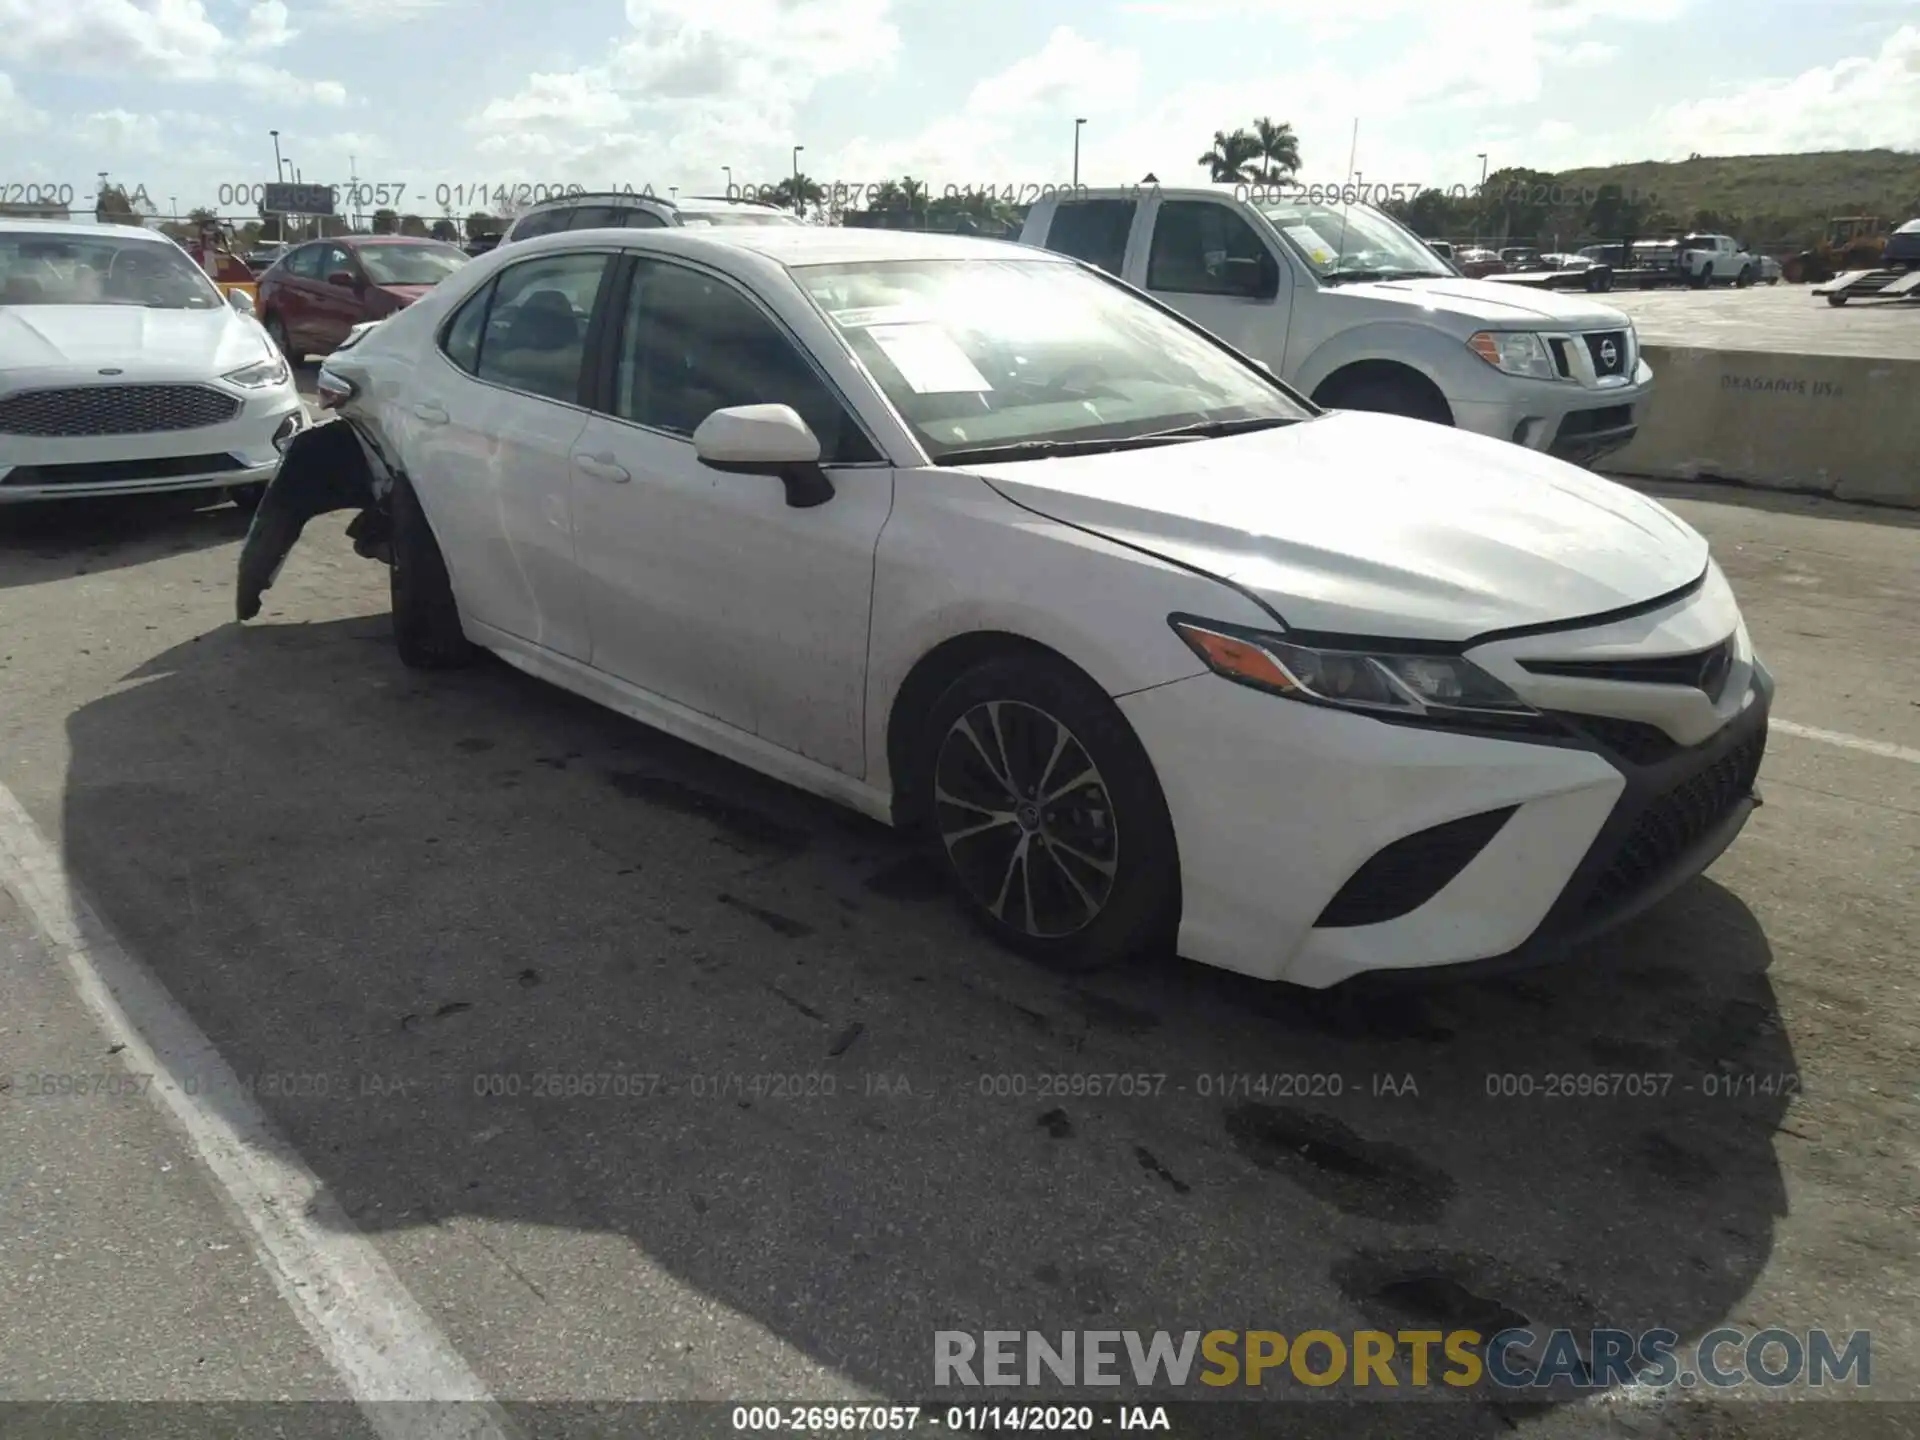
{"points": [[925, 683], [1385, 386]]}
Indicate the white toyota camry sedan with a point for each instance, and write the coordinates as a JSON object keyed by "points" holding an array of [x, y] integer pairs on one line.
{"points": [[981, 542], [124, 371]]}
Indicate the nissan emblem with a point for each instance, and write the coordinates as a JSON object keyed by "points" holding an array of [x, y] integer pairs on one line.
{"points": [[1609, 354]]}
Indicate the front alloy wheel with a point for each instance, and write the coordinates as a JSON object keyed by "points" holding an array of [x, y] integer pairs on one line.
{"points": [[1026, 820], [1041, 803]]}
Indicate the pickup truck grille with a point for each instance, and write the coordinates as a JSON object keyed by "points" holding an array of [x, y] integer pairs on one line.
{"points": [[1610, 352], [114, 410]]}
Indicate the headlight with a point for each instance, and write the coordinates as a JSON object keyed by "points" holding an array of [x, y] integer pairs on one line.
{"points": [[1515, 352], [1433, 687], [260, 374]]}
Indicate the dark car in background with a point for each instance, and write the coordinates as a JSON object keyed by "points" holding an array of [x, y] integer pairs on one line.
{"points": [[316, 292]]}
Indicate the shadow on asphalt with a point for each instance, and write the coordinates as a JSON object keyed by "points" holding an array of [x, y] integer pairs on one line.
{"points": [[51, 540], [446, 887], [1778, 502]]}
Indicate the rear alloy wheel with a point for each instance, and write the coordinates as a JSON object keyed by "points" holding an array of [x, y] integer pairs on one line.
{"points": [[426, 618], [1047, 814]]}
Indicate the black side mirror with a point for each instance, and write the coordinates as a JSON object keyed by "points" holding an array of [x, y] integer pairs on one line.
{"points": [[344, 279]]}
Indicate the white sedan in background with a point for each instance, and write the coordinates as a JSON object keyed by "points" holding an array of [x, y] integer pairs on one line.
{"points": [[124, 371], [979, 541]]}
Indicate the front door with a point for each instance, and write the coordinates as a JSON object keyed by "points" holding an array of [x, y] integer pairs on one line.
{"points": [[335, 308], [704, 587], [1206, 261]]}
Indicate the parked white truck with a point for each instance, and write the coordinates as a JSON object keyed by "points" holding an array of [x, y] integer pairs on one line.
{"points": [[1717, 260], [1351, 308]]}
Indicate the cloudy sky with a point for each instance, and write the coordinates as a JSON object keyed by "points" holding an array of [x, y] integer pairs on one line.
{"points": [[177, 96]]}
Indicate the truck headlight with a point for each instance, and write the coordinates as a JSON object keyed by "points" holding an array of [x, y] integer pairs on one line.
{"points": [[1515, 352]]}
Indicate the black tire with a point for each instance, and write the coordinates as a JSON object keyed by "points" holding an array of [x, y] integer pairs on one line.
{"points": [[426, 620], [1386, 395], [1106, 884], [1836, 299], [1743, 279], [247, 497], [1704, 280]]}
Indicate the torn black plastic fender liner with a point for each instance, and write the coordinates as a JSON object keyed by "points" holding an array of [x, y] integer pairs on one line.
{"points": [[325, 469]]}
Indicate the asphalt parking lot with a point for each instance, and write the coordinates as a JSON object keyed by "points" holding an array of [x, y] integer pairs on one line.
{"points": [[398, 900], [1786, 318]]}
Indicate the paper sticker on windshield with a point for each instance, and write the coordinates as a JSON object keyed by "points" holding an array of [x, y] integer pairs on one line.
{"points": [[928, 359], [1311, 241], [866, 317]]}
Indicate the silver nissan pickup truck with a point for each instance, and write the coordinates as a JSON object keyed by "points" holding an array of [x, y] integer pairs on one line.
{"points": [[1349, 306]]}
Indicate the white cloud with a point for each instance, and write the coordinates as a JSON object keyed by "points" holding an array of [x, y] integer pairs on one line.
{"points": [[690, 84], [378, 14], [17, 115], [1860, 102], [121, 133], [157, 39], [1068, 73], [267, 26]]}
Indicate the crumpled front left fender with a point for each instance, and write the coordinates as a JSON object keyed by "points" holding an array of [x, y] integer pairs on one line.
{"points": [[326, 468]]}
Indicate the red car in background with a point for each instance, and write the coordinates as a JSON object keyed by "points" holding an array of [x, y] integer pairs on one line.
{"points": [[315, 293]]}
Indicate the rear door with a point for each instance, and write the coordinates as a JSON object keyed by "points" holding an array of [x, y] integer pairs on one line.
{"points": [[1094, 230], [292, 297], [490, 426]]}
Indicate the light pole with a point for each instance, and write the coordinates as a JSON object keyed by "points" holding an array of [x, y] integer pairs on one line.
{"points": [[729, 170], [673, 192], [799, 206], [279, 171], [1483, 170], [1076, 151]]}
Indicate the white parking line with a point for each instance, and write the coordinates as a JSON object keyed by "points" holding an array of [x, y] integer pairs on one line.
{"points": [[1850, 742], [388, 1352]]}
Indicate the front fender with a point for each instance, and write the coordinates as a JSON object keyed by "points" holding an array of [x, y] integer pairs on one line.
{"points": [[1432, 353], [329, 467]]}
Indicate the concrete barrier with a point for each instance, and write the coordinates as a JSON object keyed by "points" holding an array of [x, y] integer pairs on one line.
{"points": [[1841, 425]]}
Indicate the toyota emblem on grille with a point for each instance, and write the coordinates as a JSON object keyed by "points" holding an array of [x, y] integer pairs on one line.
{"points": [[1609, 354]]}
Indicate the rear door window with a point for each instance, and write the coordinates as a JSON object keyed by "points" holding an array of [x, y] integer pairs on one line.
{"points": [[1093, 230], [535, 336]]}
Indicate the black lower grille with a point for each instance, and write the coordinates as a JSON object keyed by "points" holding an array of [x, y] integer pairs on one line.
{"points": [[1678, 820], [1634, 741], [1412, 870], [106, 472], [114, 410]]}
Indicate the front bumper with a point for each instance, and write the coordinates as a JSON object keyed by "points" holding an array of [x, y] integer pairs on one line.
{"points": [[240, 451], [1280, 810], [1564, 418]]}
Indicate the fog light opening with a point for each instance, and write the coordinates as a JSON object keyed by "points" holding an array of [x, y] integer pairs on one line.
{"points": [[289, 427], [1526, 430]]}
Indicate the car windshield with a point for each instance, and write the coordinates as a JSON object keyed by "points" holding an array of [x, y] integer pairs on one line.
{"points": [[423, 264], [1351, 242], [109, 270], [979, 354]]}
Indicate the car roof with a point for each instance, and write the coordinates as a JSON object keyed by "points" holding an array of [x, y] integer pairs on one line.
{"points": [[800, 245], [80, 230], [355, 241]]}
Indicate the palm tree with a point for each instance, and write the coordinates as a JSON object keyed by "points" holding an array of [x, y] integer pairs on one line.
{"points": [[1279, 151], [1230, 155]]}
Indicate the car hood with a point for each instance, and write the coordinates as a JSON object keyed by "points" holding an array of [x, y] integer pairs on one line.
{"points": [[132, 338], [1366, 524], [1477, 304]]}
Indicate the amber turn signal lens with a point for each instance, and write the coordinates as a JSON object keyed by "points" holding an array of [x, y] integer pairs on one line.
{"points": [[1241, 659]]}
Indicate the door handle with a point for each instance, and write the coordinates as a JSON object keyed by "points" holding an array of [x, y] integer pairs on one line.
{"points": [[603, 467], [431, 413]]}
